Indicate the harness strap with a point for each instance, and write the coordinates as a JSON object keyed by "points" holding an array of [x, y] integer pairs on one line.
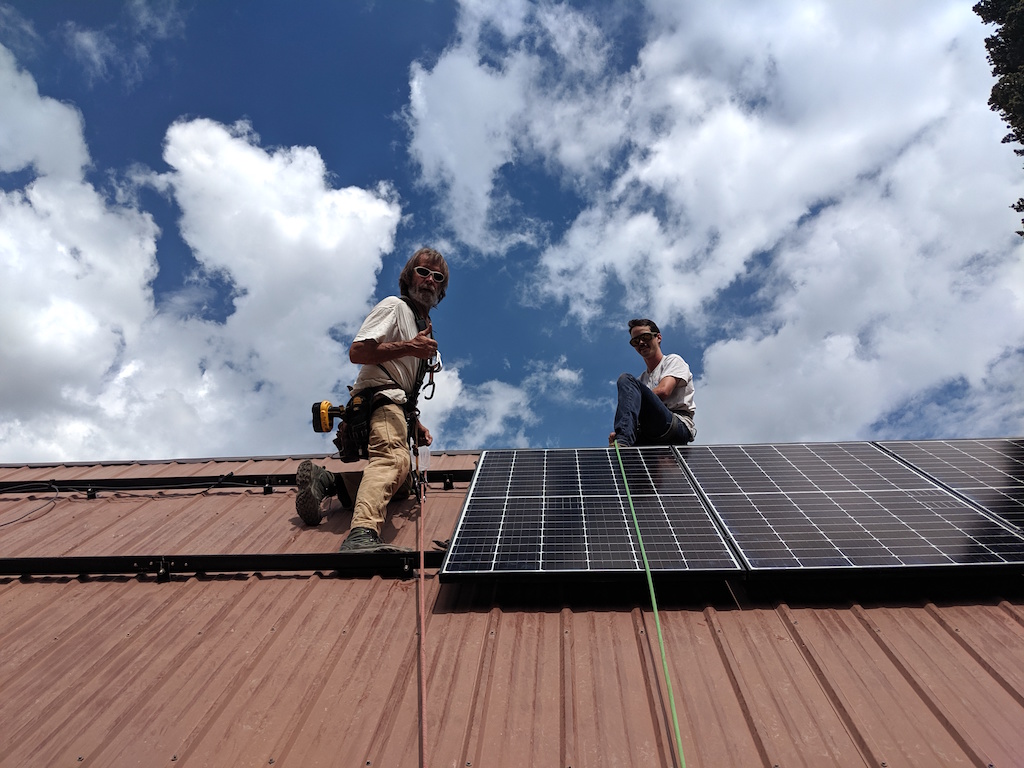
{"points": [[421, 373]]}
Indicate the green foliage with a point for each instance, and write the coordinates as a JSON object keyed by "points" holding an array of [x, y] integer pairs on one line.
{"points": [[1006, 55]]}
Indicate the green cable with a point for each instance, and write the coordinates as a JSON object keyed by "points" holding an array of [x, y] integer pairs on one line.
{"points": [[654, 604]]}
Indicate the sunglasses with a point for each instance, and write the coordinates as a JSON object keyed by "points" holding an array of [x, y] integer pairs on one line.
{"points": [[438, 277], [644, 337]]}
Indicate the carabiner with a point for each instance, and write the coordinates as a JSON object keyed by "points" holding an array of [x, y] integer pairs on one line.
{"points": [[434, 365]]}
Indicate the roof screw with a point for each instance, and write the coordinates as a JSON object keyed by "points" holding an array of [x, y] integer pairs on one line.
{"points": [[271, 761]]}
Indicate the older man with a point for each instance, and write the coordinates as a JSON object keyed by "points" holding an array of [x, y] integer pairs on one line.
{"points": [[657, 408], [392, 347]]}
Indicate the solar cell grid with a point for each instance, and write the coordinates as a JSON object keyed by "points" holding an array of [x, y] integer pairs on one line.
{"points": [[841, 505], [988, 472], [561, 511], [786, 507]]}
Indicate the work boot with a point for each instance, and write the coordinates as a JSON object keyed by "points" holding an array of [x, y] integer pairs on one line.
{"points": [[361, 540], [314, 484], [366, 540]]}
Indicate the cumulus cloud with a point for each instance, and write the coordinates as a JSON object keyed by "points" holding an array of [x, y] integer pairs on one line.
{"points": [[816, 196], [463, 114], [58, 232], [499, 414], [94, 369], [39, 132], [836, 168]]}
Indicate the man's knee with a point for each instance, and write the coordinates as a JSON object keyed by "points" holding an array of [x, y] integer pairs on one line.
{"points": [[628, 381]]}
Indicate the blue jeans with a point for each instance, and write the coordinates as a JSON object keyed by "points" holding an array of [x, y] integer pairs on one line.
{"points": [[642, 419]]}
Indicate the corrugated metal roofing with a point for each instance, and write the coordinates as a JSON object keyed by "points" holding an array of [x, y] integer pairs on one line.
{"points": [[308, 669]]}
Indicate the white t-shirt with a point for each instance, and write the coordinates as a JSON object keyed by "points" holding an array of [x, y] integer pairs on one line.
{"points": [[391, 320], [680, 401]]}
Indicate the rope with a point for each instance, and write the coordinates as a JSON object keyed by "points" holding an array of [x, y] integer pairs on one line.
{"points": [[654, 604], [421, 493]]}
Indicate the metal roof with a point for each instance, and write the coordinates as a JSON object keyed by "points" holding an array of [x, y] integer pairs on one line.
{"points": [[305, 668]]}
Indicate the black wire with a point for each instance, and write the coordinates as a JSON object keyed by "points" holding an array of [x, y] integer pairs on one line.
{"points": [[31, 485], [222, 482], [53, 501]]}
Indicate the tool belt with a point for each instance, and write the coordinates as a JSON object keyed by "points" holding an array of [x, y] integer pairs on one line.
{"points": [[353, 435]]}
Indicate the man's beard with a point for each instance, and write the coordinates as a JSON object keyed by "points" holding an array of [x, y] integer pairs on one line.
{"points": [[423, 296]]}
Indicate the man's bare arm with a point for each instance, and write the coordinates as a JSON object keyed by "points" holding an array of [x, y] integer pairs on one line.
{"points": [[665, 386], [373, 352]]}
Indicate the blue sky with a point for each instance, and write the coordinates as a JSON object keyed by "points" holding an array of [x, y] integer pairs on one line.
{"points": [[200, 201]]}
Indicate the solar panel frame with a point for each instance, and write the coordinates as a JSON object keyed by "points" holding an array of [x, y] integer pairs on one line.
{"points": [[989, 472], [841, 506], [565, 512]]}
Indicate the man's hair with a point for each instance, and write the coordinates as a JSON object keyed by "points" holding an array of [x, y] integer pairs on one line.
{"points": [[643, 321], [432, 259]]}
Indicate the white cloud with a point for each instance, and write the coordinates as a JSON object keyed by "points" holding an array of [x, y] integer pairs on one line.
{"points": [[38, 132], [75, 269], [497, 414], [94, 50], [463, 114], [18, 33], [124, 49], [491, 414], [156, 19], [93, 371], [840, 161], [471, 119], [848, 150]]}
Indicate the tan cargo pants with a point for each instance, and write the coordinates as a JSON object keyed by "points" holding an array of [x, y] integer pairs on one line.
{"points": [[389, 463]]}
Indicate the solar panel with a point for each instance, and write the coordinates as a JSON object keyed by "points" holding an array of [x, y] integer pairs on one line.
{"points": [[566, 511], [841, 505], [988, 472]]}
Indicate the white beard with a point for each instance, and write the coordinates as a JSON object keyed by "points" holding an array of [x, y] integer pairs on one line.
{"points": [[423, 297]]}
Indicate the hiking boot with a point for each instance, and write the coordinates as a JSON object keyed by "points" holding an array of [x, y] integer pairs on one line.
{"points": [[314, 484], [361, 540], [366, 540]]}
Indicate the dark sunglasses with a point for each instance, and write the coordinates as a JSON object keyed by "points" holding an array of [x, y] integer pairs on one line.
{"points": [[438, 277], [644, 337]]}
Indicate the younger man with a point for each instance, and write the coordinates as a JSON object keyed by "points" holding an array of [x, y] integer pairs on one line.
{"points": [[657, 408]]}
